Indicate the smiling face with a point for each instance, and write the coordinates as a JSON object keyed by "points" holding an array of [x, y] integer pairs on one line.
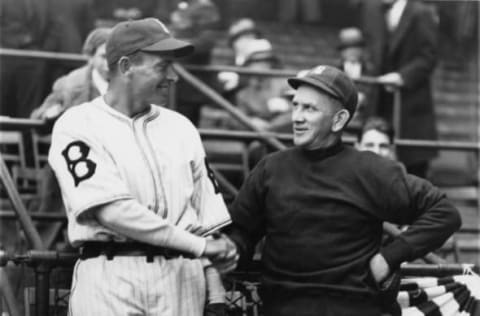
{"points": [[316, 119], [151, 77]]}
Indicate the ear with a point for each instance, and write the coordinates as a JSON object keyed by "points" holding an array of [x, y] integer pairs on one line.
{"points": [[124, 65], [340, 119]]}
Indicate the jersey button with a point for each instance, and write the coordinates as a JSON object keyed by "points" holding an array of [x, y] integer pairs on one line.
{"points": [[150, 207]]}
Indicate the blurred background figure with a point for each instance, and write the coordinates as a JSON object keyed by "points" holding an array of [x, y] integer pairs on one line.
{"points": [[377, 136], [262, 98], [82, 84], [351, 47], [195, 21], [355, 62], [402, 36], [29, 25], [240, 33], [77, 18]]}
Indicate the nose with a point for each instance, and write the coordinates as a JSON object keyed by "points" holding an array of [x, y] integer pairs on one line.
{"points": [[171, 75], [297, 114]]}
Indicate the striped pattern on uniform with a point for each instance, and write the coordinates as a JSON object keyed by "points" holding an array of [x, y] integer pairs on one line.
{"points": [[131, 286]]}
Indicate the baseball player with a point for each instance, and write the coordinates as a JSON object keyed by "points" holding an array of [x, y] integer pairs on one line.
{"points": [[139, 194]]}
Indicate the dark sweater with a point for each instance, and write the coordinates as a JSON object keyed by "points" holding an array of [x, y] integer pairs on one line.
{"points": [[321, 213]]}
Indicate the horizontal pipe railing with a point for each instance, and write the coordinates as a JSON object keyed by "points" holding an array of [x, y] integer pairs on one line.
{"points": [[9, 52], [203, 68], [59, 258], [413, 269], [7, 123], [47, 217]]}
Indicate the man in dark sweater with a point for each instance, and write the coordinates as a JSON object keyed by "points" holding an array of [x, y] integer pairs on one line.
{"points": [[320, 206]]}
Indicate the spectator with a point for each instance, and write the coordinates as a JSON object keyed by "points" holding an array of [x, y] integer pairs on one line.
{"points": [[82, 84], [240, 33], [77, 18], [195, 22], [402, 35], [355, 62], [321, 205], [377, 136], [29, 25], [261, 99]]}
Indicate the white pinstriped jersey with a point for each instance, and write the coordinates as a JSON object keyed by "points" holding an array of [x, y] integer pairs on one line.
{"points": [[100, 156]]}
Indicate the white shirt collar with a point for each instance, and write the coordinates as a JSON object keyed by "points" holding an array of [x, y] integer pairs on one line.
{"points": [[100, 83], [395, 13]]}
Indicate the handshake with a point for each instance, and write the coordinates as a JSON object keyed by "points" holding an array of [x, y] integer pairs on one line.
{"points": [[222, 252]]}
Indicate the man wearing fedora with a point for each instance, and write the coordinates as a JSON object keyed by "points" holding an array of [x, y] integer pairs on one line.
{"points": [[141, 200], [355, 62], [320, 206], [402, 37]]}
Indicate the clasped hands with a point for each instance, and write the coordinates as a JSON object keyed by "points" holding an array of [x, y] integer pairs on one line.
{"points": [[222, 252]]}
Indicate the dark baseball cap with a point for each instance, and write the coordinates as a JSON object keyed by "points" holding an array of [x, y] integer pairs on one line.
{"points": [[332, 81], [147, 35]]}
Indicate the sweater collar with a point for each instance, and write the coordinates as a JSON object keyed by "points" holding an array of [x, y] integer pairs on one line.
{"points": [[322, 153]]}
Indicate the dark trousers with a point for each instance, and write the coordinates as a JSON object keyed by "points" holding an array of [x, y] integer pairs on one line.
{"points": [[283, 304]]}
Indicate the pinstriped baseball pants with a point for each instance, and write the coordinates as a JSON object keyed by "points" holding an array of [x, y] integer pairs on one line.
{"points": [[132, 286]]}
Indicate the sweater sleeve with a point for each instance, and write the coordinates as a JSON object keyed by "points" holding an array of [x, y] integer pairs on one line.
{"points": [[432, 219], [247, 212]]}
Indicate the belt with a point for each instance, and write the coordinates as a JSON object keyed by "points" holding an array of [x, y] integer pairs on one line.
{"points": [[92, 249]]}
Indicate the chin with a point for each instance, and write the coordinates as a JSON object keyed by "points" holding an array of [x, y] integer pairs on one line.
{"points": [[298, 141]]}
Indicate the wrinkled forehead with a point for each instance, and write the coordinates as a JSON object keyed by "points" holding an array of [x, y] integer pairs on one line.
{"points": [[306, 94]]}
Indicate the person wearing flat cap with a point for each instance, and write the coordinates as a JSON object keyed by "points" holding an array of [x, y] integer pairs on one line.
{"points": [[320, 206], [355, 62], [140, 197]]}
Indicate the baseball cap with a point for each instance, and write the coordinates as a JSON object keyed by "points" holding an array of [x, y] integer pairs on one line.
{"points": [[332, 81], [147, 35]]}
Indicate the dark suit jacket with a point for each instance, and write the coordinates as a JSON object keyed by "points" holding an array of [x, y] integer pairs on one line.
{"points": [[411, 49], [28, 24]]}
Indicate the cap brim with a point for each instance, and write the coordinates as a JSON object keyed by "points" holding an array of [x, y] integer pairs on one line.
{"points": [[171, 45], [296, 82]]}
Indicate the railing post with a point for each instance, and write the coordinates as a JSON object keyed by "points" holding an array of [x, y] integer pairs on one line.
{"points": [[397, 116], [42, 289], [6, 291]]}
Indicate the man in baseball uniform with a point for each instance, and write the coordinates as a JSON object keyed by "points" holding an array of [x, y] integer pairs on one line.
{"points": [[140, 197]]}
